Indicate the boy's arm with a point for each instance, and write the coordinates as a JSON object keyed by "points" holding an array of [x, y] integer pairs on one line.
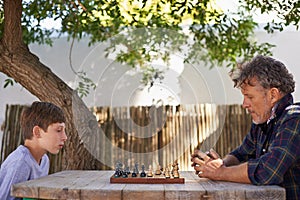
{"points": [[12, 175]]}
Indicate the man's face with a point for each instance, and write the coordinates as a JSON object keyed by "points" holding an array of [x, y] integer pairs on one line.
{"points": [[257, 101]]}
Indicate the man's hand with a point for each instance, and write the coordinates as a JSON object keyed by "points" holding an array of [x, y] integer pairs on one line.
{"points": [[210, 165], [213, 154], [206, 163]]}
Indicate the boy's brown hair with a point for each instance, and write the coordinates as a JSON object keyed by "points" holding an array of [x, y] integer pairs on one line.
{"points": [[40, 114]]}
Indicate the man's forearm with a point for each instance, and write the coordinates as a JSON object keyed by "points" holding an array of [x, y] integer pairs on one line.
{"points": [[230, 160], [236, 173], [227, 169]]}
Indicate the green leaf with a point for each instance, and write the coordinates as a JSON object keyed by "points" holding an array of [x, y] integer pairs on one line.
{"points": [[8, 82]]}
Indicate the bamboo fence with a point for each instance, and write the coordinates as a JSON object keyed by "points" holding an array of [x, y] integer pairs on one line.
{"points": [[152, 135]]}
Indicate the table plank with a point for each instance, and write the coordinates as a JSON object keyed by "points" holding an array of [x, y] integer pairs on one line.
{"points": [[239, 191], [102, 189], [143, 191], [190, 190], [264, 192], [215, 190], [83, 184]]}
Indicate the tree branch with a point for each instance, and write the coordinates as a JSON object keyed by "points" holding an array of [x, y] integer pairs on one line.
{"points": [[12, 35]]}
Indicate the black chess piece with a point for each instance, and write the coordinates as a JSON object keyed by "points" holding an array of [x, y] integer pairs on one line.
{"points": [[136, 168], [127, 171], [118, 170], [143, 173], [125, 175], [135, 172]]}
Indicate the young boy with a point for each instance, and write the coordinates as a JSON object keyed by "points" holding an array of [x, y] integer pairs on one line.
{"points": [[43, 130]]}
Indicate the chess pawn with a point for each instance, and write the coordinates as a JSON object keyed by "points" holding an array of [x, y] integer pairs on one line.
{"points": [[175, 167], [176, 174], [143, 173], [134, 173], [127, 171], [157, 171], [117, 174], [118, 170], [125, 175], [167, 173], [136, 168], [150, 173]]}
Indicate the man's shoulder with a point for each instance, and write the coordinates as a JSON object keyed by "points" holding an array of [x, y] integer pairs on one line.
{"points": [[291, 114], [293, 109]]}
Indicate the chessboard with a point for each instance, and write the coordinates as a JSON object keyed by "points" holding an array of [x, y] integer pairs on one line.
{"points": [[159, 176], [155, 179]]}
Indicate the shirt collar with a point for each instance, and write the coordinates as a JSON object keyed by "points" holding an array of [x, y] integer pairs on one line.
{"points": [[280, 106]]}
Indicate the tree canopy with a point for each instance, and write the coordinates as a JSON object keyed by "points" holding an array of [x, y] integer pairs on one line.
{"points": [[217, 36], [221, 37], [209, 33]]}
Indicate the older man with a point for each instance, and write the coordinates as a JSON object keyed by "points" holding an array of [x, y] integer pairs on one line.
{"points": [[270, 152]]}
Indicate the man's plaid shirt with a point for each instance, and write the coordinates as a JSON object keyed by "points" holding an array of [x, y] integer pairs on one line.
{"points": [[272, 150]]}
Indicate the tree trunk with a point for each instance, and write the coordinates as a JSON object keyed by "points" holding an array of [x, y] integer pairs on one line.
{"points": [[17, 62]]}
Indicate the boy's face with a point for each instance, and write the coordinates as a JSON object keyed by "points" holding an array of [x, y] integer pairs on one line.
{"points": [[54, 138]]}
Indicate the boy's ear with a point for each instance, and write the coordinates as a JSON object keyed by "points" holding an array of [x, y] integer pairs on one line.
{"points": [[36, 131]]}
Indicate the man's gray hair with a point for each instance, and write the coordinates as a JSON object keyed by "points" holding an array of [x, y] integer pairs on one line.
{"points": [[268, 72]]}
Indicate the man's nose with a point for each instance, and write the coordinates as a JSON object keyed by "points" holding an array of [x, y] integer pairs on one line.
{"points": [[245, 103]]}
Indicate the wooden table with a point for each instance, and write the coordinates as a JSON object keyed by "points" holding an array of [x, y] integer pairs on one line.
{"points": [[96, 185]]}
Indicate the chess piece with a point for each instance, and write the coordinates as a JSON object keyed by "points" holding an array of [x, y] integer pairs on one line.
{"points": [[127, 171], [167, 173], [118, 170], [134, 174], [125, 175], [176, 174], [175, 169], [135, 170], [117, 174], [158, 171], [150, 173], [143, 173]]}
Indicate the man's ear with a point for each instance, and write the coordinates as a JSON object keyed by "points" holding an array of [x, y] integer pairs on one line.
{"points": [[36, 132], [275, 95]]}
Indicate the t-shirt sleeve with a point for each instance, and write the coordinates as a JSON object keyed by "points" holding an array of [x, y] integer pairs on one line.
{"points": [[14, 173]]}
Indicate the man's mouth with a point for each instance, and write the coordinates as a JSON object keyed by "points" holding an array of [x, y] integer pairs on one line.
{"points": [[249, 111]]}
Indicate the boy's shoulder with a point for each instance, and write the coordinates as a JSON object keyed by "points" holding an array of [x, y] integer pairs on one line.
{"points": [[20, 151], [19, 154]]}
